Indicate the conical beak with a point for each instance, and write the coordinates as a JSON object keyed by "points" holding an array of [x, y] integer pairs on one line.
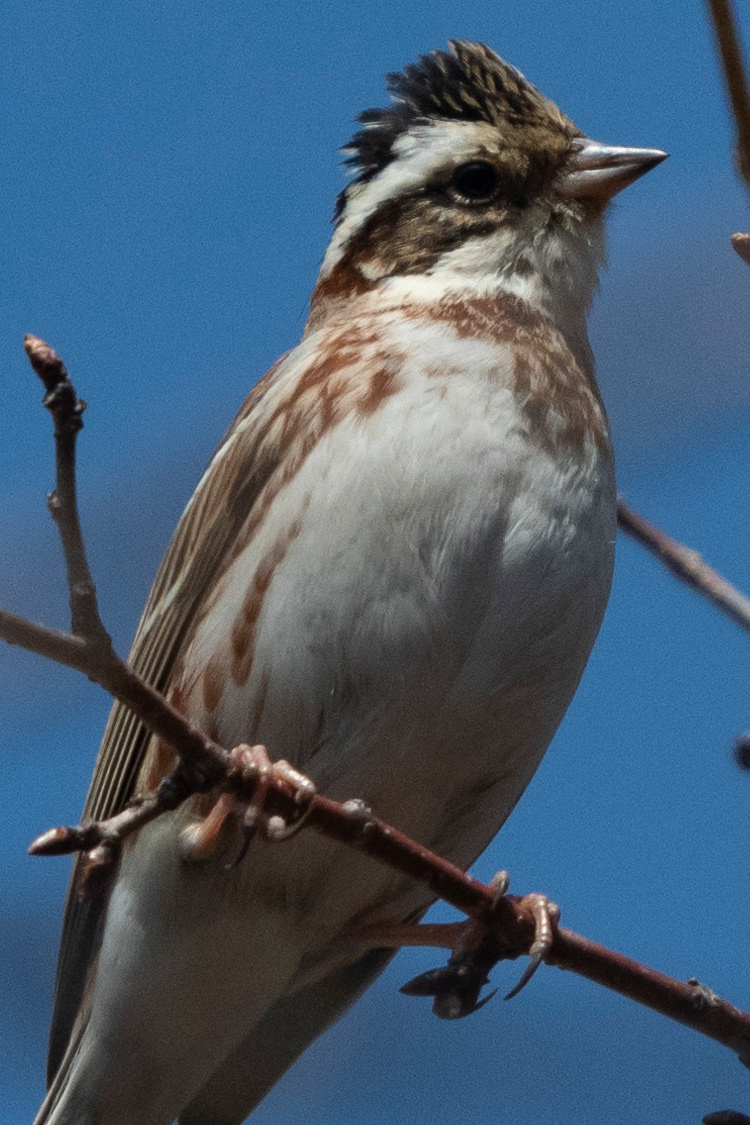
{"points": [[597, 172]]}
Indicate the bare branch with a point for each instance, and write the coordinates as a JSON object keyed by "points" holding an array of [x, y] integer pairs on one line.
{"points": [[733, 67], [686, 564], [67, 409]]}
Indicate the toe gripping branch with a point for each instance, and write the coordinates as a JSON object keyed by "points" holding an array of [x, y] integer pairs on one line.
{"points": [[250, 767], [476, 946]]}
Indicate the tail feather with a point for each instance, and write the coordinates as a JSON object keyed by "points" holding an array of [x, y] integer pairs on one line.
{"points": [[48, 1111]]}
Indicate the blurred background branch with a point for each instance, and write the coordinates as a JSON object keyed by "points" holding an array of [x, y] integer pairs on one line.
{"points": [[727, 37], [686, 564]]}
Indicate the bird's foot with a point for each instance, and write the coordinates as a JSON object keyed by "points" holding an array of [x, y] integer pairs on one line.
{"points": [[475, 950], [546, 915], [252, 765]]}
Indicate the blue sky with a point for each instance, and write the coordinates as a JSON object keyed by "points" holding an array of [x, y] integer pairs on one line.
{"points": [[168, 175]]}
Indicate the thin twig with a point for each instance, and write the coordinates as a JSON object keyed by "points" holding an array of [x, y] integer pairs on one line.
{"points": [[67, 409], [103, 666], [733, 67], [203, 764], [687, 565]]}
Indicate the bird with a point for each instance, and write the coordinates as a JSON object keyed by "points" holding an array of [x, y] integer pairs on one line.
{"points": [[391, 575]]}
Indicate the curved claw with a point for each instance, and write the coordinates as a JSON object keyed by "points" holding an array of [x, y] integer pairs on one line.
{"points": [[535, 960], [246, 832], [481, 1003], [545, 915]]}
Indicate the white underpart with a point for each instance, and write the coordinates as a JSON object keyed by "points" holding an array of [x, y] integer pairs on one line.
{"points": [[429, 623]]}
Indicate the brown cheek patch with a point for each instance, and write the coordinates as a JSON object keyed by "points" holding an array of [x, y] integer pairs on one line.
{"points": [[407, 235]]}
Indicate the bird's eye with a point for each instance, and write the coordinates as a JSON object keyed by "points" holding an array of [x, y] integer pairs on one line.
{"points": [[475, 181]]}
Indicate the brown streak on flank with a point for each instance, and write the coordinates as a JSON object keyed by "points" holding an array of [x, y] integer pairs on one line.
{"points": [[336, 358], [303, 429], [346, 375], [243, 630], [213, 683], [328, 406], [383, 383]]}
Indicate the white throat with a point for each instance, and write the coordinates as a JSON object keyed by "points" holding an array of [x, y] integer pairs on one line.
{"points": [[555, 271]]}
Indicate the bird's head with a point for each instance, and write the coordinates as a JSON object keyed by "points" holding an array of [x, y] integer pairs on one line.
{"points": [[472, 178]]}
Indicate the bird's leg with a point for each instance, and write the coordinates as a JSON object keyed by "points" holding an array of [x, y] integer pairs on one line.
{"points": [[252, 765], [459, 937], [456, 986], [199, 841]]}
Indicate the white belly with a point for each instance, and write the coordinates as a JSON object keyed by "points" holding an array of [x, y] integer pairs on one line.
{"points": [[442, 587]]}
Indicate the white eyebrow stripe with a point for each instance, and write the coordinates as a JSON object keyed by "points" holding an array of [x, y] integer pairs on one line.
{"points": [[417, 154]]}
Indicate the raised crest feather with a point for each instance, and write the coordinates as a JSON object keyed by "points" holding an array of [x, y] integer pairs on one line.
{"points": [[468, 82]]}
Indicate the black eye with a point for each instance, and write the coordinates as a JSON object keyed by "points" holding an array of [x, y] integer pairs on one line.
{"points": [[476, 180]]}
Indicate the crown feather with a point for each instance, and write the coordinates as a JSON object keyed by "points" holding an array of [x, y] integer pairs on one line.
{"points": [[469, 82]]}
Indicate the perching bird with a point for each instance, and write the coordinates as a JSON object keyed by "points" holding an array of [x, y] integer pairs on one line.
{"points": [[391, 574]]}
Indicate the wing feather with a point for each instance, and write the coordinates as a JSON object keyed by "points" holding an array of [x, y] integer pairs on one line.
{"points": [[237, 474]]}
